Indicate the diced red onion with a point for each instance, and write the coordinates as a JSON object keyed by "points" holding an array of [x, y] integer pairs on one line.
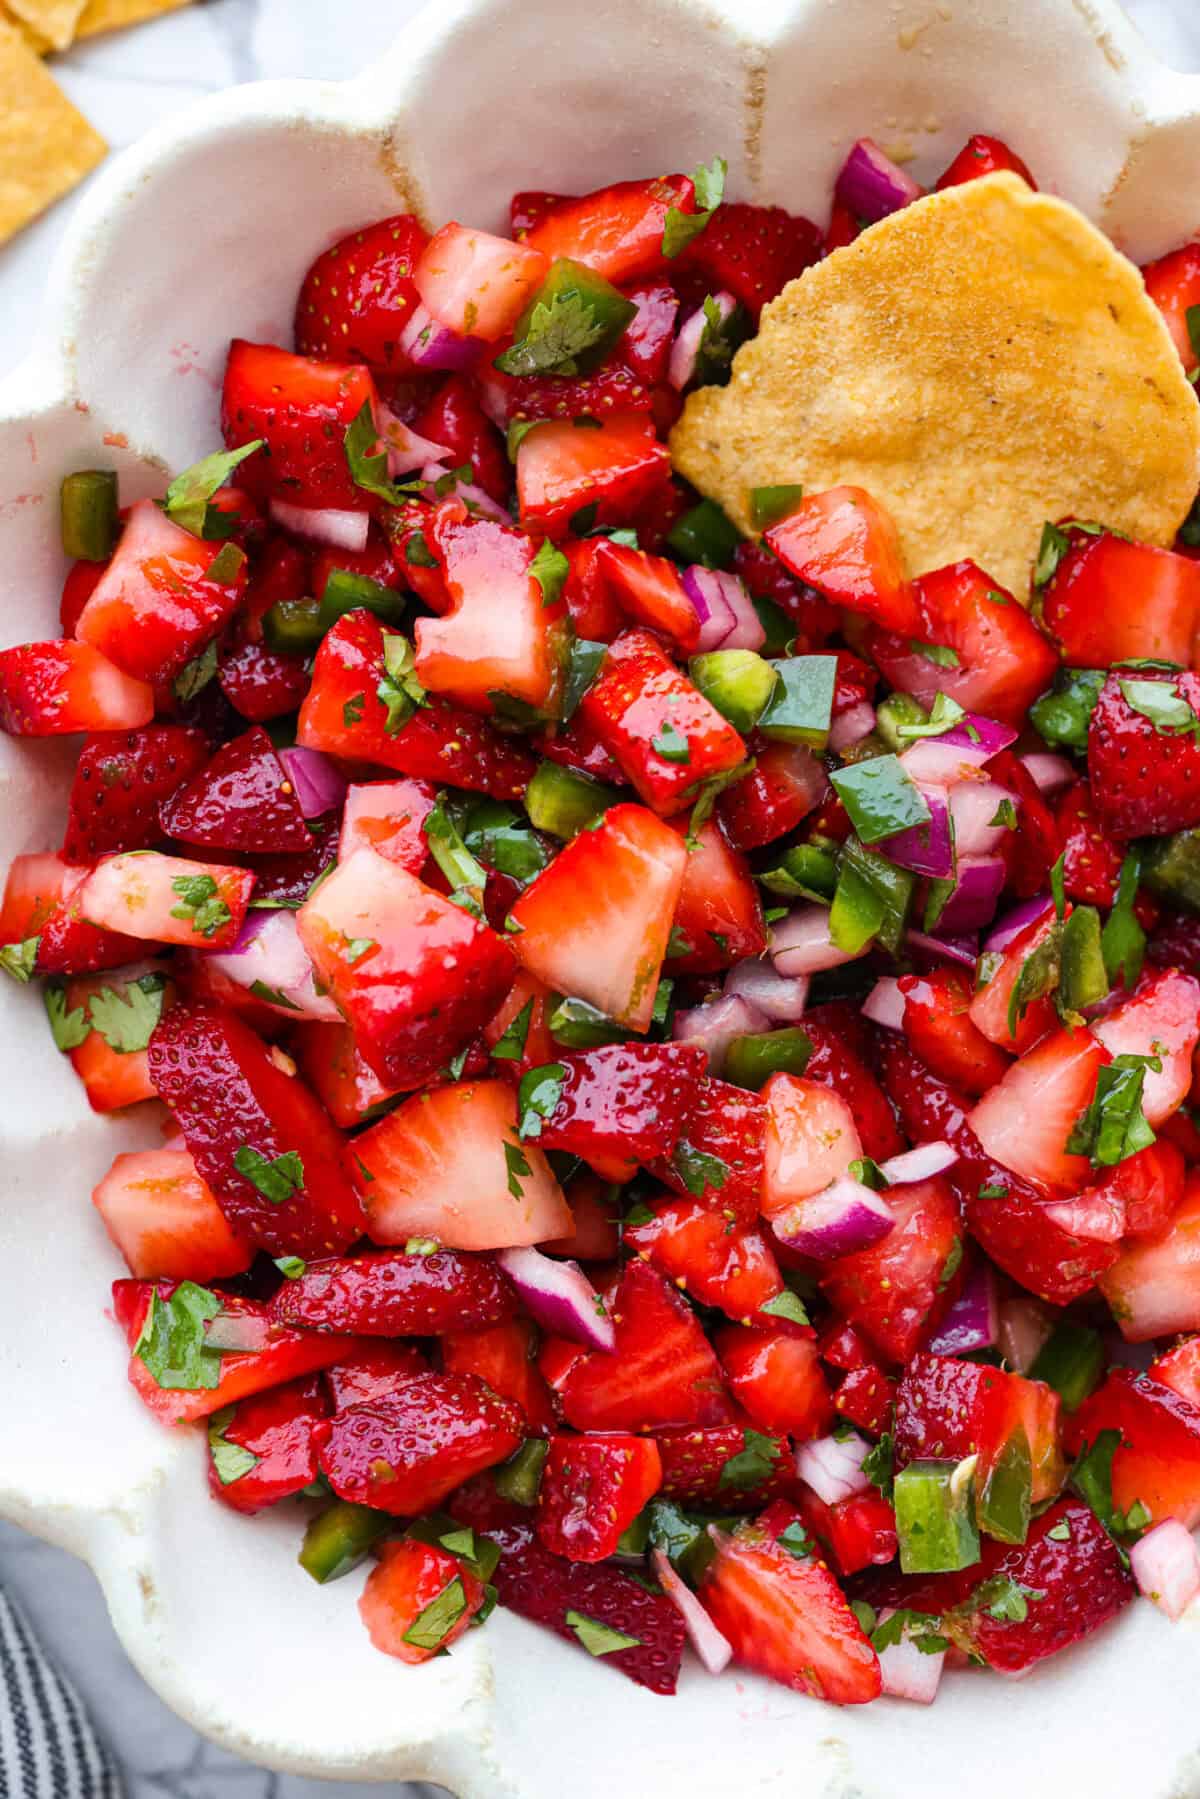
{"points": [[832, 1466], [973, 806], [976, 894], [1009, 927], [715, 1023], [919, 1164], [976, 733], [756, 979], [559, 1296], [406, 450], [928, 849], [712, 1648], [428, 345], [885, 1004], [907, 1672], [955, 754], [1166, 1566], [973, 1320], [1091, 1214], [871, 185], [466, 491], [268, 952], [1050, 773], [962, 950], [844, 1217], [320, 786], [1120, 1354], [1025, 1324], [726, 612], [801, 944], [851, 725], [344, 529], [686, 349]]}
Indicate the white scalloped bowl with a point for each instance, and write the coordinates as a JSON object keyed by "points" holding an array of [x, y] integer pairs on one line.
{"points": [[201, 231]]}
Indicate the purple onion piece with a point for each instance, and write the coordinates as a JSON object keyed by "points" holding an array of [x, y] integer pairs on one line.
{"points": [[710, 1645], [919, 1164], [801, 944], [851, 725], [334, 525], [720, 602], [320, 786], [972, 1322], [962, 950], [406, 450], [1025, 1325], [884, 1004], [832, 1466], [781, 999], [1009, 927], [430, 345], [871, 185], [973, 903], [974, 732], [927, 849], [845, 1217], [560, 1297], [269, 956], [685, 351], [714, 1025], [973, 806], [1049, 773]]}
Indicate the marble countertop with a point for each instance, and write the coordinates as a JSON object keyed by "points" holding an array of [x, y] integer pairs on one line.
{"points": [[125, 84]]}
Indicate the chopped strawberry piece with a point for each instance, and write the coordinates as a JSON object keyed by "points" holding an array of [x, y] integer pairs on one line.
{"points": [[118, 784], [752, 251], [475, 284], [303, 409], [388, 816], [767, 579], [396, 1294], [727, 1133], [595, 396], [166, 899], [1179, 1369], [696, 1467], [1024, 1121], [667, 737], [405, 1452], [41, 901], [539, 1046], [287, 879], [358, 295], [1146, 1189], [1015, 1026], [702, 1254], [623, 1103], [455, 419], [595, 923], [811, 1140], [374, 1370], [165, 1221], [896, 1289], [607, 472], [504, 1356], [51, 689], [1144, 781], [1111, 601], [34, 887], [577, 746], [982, 155], [844, 544], [595, 1235], [1154, 1286], [786, 1618], [617, 231], [449, 1164], [662, 1372], [777, 1377], [782, 788], [81, 580], [1173, 283], [592, 1489], [415, 975], [1030, 851], [344, 716], [241, 800], [865, 1397], [1157, 1459], [856, 1533], [839, 1062], [410, 1578], [261, 683], [649, 590], [257, 1136], [719, 913], [948, 1409], [127, 1005], [1092, 868], [645, 345], [586, 593], [1161, 1019], [275, 1430], [937, 1023]]}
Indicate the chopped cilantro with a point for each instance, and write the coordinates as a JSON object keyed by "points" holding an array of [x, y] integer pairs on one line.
{"points": [[944, 715], [399, 690], [868, 1172], [195, 675], [786, 1305], [754, 1462], [993, 1191], [200, 904], [1005, 1599], [556, 337], [1060, 1532], [1039, 975], [171, 1344], [697, 1169], [368, 463], [126, 1020], [227, 564], [421, 1246], [352, 711], [1051, 550], [670, 743], [1005, 814], [511, 1046], [357, 948], [1163, 704], [230, 1460], [796, 1540], [291, 1267], [538, 1097], [1113, 1126], [917, 1627], [189, 493], [276, 1177], [69, 1029], [680, 228], [878, 1465], [549, 569], [517, 1166], [598, 1638], [18, 959], [433, 1625], [941, 653]]}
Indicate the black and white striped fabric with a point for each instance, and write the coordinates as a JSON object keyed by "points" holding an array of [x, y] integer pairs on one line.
{"points": [[48, 1748]]}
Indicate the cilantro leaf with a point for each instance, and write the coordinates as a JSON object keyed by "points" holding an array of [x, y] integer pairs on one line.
{"points": [[697, 1169], [352, 711], [796, 1540], [171, 1344], [1061, 716], [195, 675], [786, 1305], [1060, 1532], [754, 1463], [681, 228], [202, 905], [1113, 1126], [1091, 1475], [918, 1628], [227, 564], [1039, 975], [433, 1624], [368, 463], [516, 1165], [291, 1267], [549, 569], [670, 743], [1123, 941], [878, 1465], [399, 690], [598, 1638], [126, 1020], [941, 653], [230, 1460], [1005, 1599], [189, 493], [868, 1172], [1051, 550], [276, 1177], [18, 959], [357, 948], [555, 338], [511, 1046], [944, 715], [467, 877], [1005, 814], [69, 1029], [538, 1097], [1163, 704]]}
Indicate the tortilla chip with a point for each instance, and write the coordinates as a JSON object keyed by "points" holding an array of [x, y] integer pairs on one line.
{"points": [[980, 362], [51, 23], [46, 146], [112, 15]]}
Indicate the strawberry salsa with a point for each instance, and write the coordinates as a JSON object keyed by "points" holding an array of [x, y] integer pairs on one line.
{"points": [[676, 1051]]}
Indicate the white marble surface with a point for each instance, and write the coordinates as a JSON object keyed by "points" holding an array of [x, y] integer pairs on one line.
{"points": [[125, 84]]}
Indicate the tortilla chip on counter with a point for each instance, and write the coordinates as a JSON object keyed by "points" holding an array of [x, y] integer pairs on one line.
{"points": [[50, 23], [113, 15], [46, 146], [980, 362]]}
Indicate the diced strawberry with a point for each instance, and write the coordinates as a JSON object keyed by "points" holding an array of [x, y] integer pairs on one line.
{"points": [[241, 800], [617, 231], [623, 1103], [1157, 1459], [449, 1164], [727, 1130], [282, 570], [287, 879], [1154, 1288], [1092, 868], [344, 716], [496, 640], [378, 562], [1024, 1121], [697, 1250], [1030, 851], [1161, 1020], [373, 1371], [645, 344], [539, 1046], [839, 1061], [275, 1355], [164, 1220], [595, 1235], [276, 1430], [1003, 662], [782, 788], [246, 1123], [415, 975], [811, 1139], [662, 1372], [1111, 601], [992, 1011], [695, 1464], [948, 1409], [856, 1533], [1146, 1189], [504, 1356], [786, 1618], [719, 913], [666, 736], [608, 472], [1144, 781], [586, 593], [358, 295], [865, 1396], [261, 683], [595, 923], [776, 1376], [982, 155], [118, 783], [51, 689], [752, 251], [303, 409], [1179, 1369], [396, 1294], [158, 603], [767, 579], [475, 284], [34, 887], [577, 746], [41, 901], [388, 816], [649, 591], [592, 1489], [405, 1452], [166, 899], [938, 1025], [1173, 283], [115, 1073], [81, 579], [897, 1288], [596, 396], [408, 1579], [844, 544], [455, 419]]}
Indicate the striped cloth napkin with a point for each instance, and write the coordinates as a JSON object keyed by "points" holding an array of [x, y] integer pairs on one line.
{"points": [[48, 1748]]}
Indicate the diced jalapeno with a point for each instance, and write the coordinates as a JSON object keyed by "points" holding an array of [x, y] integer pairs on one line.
{"points": [[563, 801], [752, 1059], [88, 514], [737, 682], [704, 535], [1171, 868], [338, 1539], [806, 871], [769, 504], [898, 709], [520, 1477], [800, 709], [293, 627], [1006, 1493], [347, 592], [1082, 978], [1071, 1360], [598, 310], [935, 1521], [781, 632]]}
